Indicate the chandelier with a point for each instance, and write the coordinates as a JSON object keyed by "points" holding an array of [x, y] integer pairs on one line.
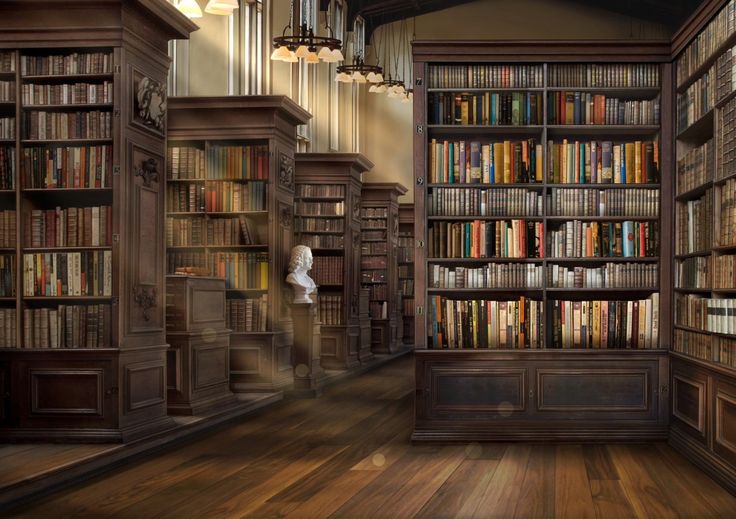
{"points": [[191, 9], [303, 44], [359, 72]]}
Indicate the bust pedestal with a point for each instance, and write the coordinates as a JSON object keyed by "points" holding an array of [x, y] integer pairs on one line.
{"points": [[307, 369]]}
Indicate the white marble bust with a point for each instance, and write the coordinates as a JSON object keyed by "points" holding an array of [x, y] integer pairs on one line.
{"points": [[299, 265]]}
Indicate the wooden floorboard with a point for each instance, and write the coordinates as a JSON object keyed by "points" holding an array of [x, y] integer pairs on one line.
{"points": [[348, 455]]}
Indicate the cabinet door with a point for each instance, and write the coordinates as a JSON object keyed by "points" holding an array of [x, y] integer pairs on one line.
{"points": [[724, 419], [4, 392], [689, 405]]}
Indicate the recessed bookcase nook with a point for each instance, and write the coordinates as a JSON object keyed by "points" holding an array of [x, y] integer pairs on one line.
{"points": [[405, 260], [703, 375], [542, 171], [82, 162], [230, 211], [327, 201]]}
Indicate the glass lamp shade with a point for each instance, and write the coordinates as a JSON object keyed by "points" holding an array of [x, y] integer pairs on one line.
{"points": [[312, 58], [281, 53], [373, 89], [222, 5], [379, 78], [358, 77], [302, 51], [400, 89], [291, 59], [371, 77], [342, 77], [189, 8], [381, 89], [337, 56], [325, 54], [405, 99], [221, 12]]}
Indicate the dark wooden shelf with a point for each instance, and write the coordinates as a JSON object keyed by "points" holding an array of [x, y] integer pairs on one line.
{"points": [[319, 198], [627, 92], [695, 192], [604, 186], [486, 89], [494, 290], [66, 141], [699, 131], [628, 259], [69, 106], [693, 290], [457, 129], [533, 186], [693, 254], [724, 290], [69, 249], [325, 216], [716, 366], [67, 77], [185, 180], [721, 181], [559, 130], [603, 218], [724, 248], [321, 232], [587, 290], [68, 298], [246, 213], [66, 190], [489, 218], [484, 260]]}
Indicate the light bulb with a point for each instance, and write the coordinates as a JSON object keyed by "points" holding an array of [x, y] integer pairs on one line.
{"points": [[358, 77], [337, 56], [189, 8], [325, 54], [312, 58], [302, 51]]}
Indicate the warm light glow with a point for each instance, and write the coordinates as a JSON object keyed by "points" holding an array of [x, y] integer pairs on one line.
{"points": [[189, 8], [379, 78], [281, 54], [373, 89], [312, 58], [406, 99], [410, 97], [325, 54], [371, 77], [381, 89], [302, 51], [358, 77], [221, 12], [291, 59], [337, 56], [223, 5], [342, 77]]}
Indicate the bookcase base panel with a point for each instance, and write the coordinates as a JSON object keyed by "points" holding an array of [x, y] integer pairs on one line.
{"points": [[260, 362], [589, 395], [75, 395], [340, 346], [383, 336], [703, 422]]}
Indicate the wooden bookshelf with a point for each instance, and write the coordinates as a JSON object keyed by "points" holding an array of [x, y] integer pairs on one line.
{"points": [[243, 149], [86, 361], [527, 383], [379, 215], [405, 260], [703, 379], [331, 180]]}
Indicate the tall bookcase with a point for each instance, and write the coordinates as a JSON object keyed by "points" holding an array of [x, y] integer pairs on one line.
{"points": [[520, 219], [327, 201], [405, 260], [83, 309], [379, 221], [703, 378], [232, 177]]}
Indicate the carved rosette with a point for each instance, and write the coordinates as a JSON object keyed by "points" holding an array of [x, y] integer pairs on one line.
{"points": [[286, 217], [286, 172], [148, 171], [145, 298]]}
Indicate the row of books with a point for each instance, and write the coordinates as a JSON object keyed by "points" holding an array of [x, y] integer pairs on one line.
{"points": [[69, 227], [186, 232], [373, 262], [406, 271], [628, 239], [49, 167], [368, 235], [405, 249], [8, 328], [486, 108], [7, 91], [374, 212], [486, 239], [320, 190], [492, 275], [241, 270], [330, 310], [724, 271], [705, 313], [7, 61], [7, 228], [611, 275], [247, 315], [378, 292], [7, 127], [40, 125], [604, 75], [327, 270], [697, 100], [603, 162], [322, 241], [7, 167], [611, 202], [373, 276], [485, 324], [483, 202], [67, 326], [695, 167], [725, 72], [606, 324], [185, 198], [373, 223], [694, 224], [727, 352], [705, 44], [320, 208], [7, 275], [306, 224], [185, 162], [485, 76], [726, 140], [67, 64], [407, 310], [378, 310], [727, 211], [33, 94], [581, 108], [87, 273], [693, 344], [374, 247], [248, 162], [406, 287], [187, 262], [475, 162], [694, 273], [235, 197]]}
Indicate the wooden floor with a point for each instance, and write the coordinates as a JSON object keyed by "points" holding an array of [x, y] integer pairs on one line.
{"points": [[348, 455]]}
